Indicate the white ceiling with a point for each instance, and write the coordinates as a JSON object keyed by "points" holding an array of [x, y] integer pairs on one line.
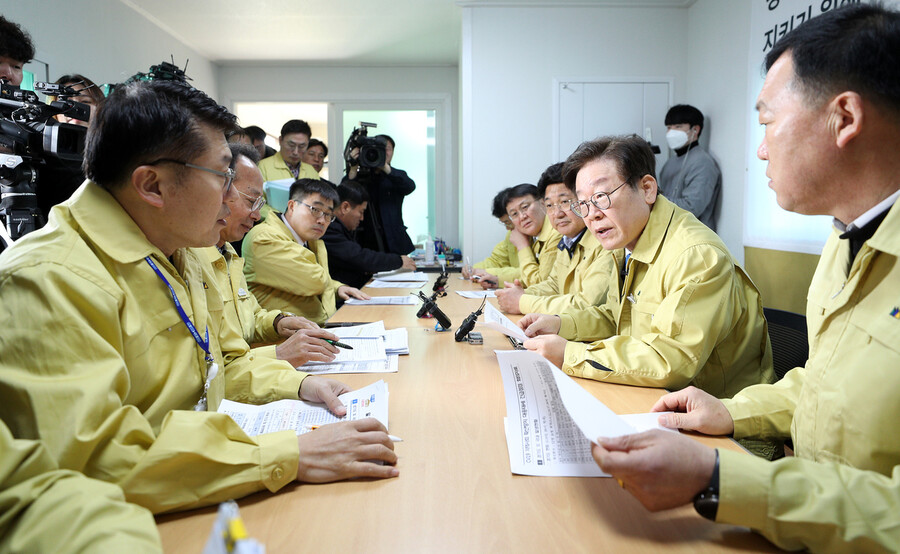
{"points": [[332, 32]]}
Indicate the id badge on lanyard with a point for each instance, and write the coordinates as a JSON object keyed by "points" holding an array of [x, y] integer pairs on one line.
{"points": [[212, 368]]}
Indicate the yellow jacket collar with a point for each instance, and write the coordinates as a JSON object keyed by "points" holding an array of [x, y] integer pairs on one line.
{"points": [[109, 225], [885, 239], [651, 239]]}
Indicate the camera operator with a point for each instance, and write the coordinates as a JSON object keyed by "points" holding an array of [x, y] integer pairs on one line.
{"points": [[16, 49], [383, 227]]}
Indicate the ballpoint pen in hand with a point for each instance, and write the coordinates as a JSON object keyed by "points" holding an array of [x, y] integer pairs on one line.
{"points": [[338, 344]]}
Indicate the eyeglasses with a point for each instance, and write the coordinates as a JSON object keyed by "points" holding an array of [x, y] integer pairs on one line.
{"points": [[561, 206], [255, 203], [317, 213], [228, 174], [600, 200], [522, 209]]}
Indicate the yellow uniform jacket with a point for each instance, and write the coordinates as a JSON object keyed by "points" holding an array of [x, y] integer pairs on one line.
{"points": [[47, 509], [574, 283], [536, 262], [274, 168], [242, 311], [503, 261], [841, 492], [685, 314], [96, 362], [285, 275]]}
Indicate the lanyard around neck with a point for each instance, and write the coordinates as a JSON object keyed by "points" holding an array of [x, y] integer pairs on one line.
{"points": [[203, 343]]}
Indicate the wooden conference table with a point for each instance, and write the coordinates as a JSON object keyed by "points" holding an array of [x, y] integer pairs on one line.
{"points": [[455, 492]]}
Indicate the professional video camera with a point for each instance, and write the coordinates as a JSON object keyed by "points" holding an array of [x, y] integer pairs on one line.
{"points": [[372, 150], [31, 139]]}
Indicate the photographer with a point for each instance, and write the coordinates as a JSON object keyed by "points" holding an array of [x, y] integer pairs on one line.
{"points": [[382, 227], [16, 49]]}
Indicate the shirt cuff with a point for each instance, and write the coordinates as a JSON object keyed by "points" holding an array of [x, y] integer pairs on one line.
{"points": [[743, 489], [265, 351], [745, 424], [567, 327], [279, 457], [573, 358]]}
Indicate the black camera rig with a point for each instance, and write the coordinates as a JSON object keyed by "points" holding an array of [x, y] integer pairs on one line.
{"points": [[372, 150]]}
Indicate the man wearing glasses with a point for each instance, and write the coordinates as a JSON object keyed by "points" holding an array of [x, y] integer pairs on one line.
{"points": [[578, 278], [288, 163], [533, 237], [115, 351], [303, 339], [286, 263], [679, 312]]}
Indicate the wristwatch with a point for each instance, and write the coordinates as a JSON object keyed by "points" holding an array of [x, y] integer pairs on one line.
{"points": [[283, 315], [707, 501]]}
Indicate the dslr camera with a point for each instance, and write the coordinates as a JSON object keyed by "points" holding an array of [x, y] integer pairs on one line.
{"points": [[372, 150], [30, 140]]}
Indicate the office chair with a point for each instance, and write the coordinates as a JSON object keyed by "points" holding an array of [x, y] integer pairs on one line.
{"points": [[790, 343]]}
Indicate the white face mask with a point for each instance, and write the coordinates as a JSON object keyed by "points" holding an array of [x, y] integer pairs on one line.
{"points": [[676, 138]]}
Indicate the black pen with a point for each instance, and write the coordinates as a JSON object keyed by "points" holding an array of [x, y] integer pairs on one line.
{"points": [[338, 344]]}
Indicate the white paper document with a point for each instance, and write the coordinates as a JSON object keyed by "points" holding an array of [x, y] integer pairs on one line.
{"points": [[476, 293], [390, 365], [499, 322], [416, 276], [549, 417], [300, 416], [365, 349], [408, 300], [381, 284], [373, 329]]}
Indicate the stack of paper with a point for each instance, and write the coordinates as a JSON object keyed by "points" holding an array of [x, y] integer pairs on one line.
{"points": [[476, 293], [409, 280], [301, 417], [408, 300], [551, 420], [499, 322], [393, 342]]}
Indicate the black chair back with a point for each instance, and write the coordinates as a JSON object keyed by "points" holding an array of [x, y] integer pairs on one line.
{"points": [[790, 342]]}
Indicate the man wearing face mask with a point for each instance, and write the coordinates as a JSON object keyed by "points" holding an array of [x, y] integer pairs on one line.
{"points": [[691, 179]]}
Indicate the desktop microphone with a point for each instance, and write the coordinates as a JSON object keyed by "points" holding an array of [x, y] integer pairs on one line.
{"points": [[469, 323], [430, 309], [441, 281]]}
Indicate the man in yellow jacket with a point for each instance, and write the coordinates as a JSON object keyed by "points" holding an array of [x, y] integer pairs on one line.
{"points": [[288, 162], [300, 340], [504, 259], [679, 311], [286, 263], [579, 277], [115, 352], [47, 509], [832, 118], [533, 237]]}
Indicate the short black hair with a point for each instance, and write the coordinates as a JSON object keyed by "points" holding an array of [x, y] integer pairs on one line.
{"points": [[301, 188], [317, 142], [245, 150], [855, 47], [142, 121], [551, 176], [632, 155], [525, 189], [352, 192], [15, 42], [389, 139], [255, 133], [296, 126], [685, 113], [498, 210]]}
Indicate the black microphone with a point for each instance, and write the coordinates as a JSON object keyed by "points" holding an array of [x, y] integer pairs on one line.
{"points": [[469, 323], [441, 281], [430, 309]]}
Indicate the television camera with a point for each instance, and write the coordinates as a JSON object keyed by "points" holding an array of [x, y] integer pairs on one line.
{"points": [[372, 150]]}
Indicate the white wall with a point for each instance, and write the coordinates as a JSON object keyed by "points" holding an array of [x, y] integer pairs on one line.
{"points": [[717, 86], [105, 41], [362, 87], [511, 56]]}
